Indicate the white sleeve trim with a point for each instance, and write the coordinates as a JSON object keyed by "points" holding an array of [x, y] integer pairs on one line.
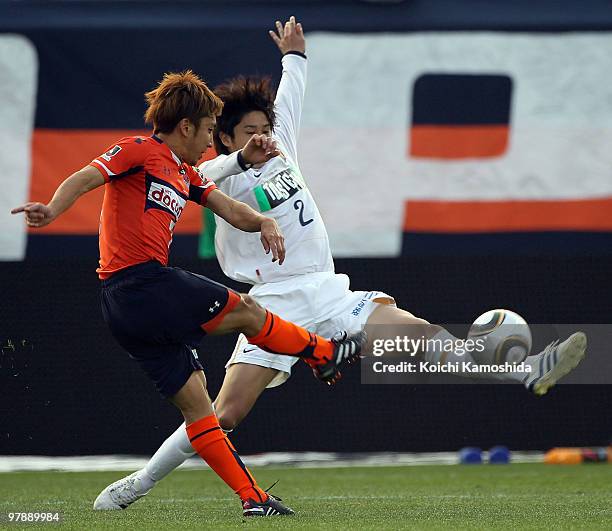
{"points": [[108, 172]]}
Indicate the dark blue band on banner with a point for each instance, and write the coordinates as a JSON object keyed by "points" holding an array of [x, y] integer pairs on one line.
{"points": [[461, 99], [85, 246], [413, 244], [122, 65], [316, 15], [508, 243]]}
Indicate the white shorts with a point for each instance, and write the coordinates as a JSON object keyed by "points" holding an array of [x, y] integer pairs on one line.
{"points": [[320, 302]]}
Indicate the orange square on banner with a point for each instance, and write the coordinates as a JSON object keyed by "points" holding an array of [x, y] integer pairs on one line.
{"points": [[458, 142], [486, 216]]}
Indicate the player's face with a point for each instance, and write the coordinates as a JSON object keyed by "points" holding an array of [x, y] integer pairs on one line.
{"points": [[252, 123], [201, 140]]}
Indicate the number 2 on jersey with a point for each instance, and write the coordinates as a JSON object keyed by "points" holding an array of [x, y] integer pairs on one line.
{"points": [[299, 205]]}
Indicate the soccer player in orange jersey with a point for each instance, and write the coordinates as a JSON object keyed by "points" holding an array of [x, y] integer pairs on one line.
{"points": [[159, 314], [306, 288]]}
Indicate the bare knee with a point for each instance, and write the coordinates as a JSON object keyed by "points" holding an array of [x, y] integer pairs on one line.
{"points": [[229, 416], [248, 304], [247, 317]]}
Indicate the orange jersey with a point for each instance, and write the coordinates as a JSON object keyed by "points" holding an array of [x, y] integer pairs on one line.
{"points": [[147, 187]]}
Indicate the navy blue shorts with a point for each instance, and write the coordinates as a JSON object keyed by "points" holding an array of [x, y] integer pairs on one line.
{"points": [[160, 315]]}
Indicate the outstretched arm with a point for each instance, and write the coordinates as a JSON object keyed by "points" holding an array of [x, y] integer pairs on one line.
{"points": [[290, 94], [243, 217], [79, 183]]}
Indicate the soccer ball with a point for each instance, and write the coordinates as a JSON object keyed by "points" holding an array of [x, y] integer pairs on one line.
{"points": [[503, 336]]}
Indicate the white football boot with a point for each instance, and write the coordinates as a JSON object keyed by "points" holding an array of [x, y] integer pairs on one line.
{"points": [[554, 362], [120, 494]]}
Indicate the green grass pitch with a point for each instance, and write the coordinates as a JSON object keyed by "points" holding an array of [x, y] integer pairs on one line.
{"points": [[518, 496]]}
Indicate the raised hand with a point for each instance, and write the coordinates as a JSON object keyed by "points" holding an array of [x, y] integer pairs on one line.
{"points": [[290, 37]]}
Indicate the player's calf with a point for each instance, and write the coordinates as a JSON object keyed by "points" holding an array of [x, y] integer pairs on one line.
{"points": [[273, 334], [243, 384]]}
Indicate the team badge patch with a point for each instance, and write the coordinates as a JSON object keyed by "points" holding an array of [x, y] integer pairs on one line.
{"points": [[111, 153]]}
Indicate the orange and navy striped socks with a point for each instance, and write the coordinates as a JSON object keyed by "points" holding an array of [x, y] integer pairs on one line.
{"points": [[282, 337], [212, 445]]}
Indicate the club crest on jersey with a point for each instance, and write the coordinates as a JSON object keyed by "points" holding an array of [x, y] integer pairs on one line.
{"points": [[186, 176], [277, 190], [162, 196], [111, 153]]}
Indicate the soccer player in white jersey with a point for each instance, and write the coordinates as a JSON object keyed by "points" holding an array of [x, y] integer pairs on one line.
{"points": [[305, 288]]}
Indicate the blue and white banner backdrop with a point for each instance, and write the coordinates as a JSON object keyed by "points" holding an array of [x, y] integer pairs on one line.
{"points": [[357, 115], [18, 83]]}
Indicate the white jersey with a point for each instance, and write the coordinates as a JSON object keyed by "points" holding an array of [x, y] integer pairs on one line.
{"points": [[278, 190]]}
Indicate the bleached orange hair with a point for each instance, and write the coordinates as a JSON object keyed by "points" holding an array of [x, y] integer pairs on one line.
{"points": [[177, 96]]}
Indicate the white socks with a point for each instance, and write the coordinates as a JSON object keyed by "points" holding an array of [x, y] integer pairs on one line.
{"points": [[172, 453]]}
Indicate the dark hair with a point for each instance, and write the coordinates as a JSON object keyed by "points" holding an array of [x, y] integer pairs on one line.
{"points": [[178, 96], [242, 95]]}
